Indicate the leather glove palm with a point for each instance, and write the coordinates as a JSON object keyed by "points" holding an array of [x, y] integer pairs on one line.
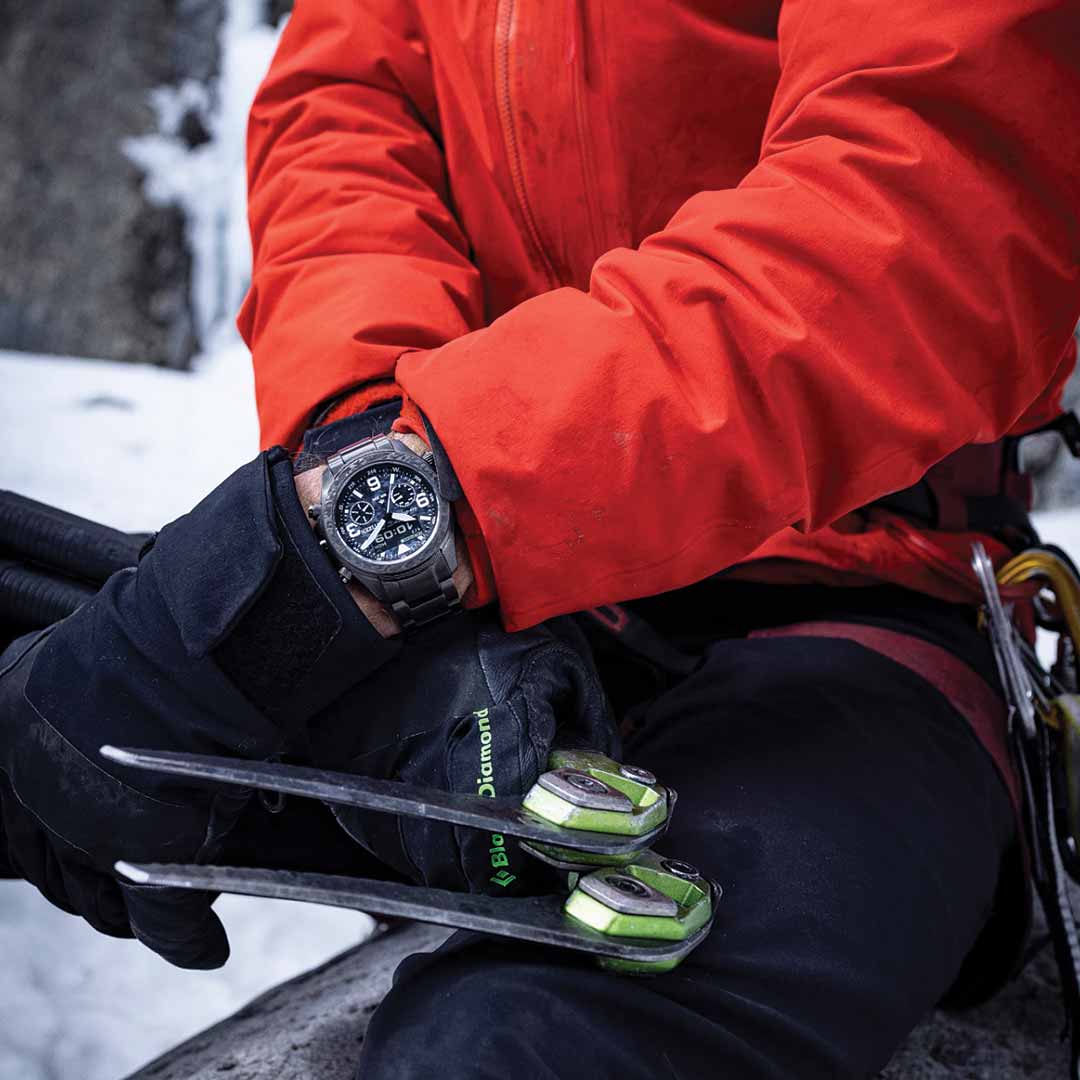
{"points": [[465, 707], [229, 635]]}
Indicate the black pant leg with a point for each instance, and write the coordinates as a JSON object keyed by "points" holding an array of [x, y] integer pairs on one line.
{"points": [[858, 829]]}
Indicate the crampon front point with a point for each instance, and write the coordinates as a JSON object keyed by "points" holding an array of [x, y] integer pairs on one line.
{"points": [[635, 911]]}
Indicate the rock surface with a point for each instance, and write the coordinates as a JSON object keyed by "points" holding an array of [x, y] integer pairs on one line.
{"points": [[310, 1027], [1015, 1035], [314, 1025], [90, 267], [278, 9]]}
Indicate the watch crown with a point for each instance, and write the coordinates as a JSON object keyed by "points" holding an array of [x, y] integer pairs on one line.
{"points": [[345, 576], [313, 512]]}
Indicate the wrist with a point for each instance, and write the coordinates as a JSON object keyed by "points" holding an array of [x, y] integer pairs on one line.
{"points": [[309, 490], [410, 439], [472, 548]]}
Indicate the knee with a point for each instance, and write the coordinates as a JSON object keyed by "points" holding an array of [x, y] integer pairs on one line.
{"points": [[454, 1014]]}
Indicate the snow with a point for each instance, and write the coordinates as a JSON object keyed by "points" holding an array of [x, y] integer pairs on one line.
{"points": [[131, 445], [209, 182], [86, 1007], [135, 447], [1061, 527]]}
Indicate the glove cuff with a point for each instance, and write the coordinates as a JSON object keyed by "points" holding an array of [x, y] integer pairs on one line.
{"points": [[303, 642], [248, 586]]}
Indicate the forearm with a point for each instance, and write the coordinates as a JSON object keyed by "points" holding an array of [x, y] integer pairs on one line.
{"points": [[357, 256], [884, 288]]}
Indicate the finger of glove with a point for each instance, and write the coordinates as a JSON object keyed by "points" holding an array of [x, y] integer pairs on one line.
{"points": [[32, 860], [75, 889], [180, 926], [566, 702], [29, 852], [97, 898]]}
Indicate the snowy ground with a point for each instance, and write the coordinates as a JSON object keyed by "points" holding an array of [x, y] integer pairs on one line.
{"points": [[135, 447], [131, 445]]}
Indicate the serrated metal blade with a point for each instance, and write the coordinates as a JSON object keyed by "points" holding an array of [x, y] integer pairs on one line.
{"points": [[537, 919], [501, 815]]}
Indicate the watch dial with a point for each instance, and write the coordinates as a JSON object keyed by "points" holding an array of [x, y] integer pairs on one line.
{"points": [[386, 513]]}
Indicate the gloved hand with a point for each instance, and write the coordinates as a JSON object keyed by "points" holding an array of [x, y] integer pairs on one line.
{"points": [[231, 633], [464, 707]]}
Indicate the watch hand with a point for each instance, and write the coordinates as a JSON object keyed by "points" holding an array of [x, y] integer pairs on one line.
{"points": [[374, 535], [403, 517]]}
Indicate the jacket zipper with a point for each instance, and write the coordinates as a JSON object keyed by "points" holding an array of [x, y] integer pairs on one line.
{"points": [[579, 61], [504, 21]]}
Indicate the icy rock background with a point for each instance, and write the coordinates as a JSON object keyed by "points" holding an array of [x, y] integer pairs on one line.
{"points": [[91, 265], [135, 446]]}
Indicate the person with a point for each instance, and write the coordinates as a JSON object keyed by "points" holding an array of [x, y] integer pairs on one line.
{"points": [[716, 320]]}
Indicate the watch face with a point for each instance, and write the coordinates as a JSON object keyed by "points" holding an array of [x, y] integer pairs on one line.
{"points": [[387, 512]]}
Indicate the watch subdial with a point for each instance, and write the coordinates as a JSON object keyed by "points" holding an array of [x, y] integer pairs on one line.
{"points": [[362, 513], [402, 495]]}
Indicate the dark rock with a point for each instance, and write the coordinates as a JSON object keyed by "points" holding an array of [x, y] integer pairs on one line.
{"points": [[1015, 1035], [192, 129], [313, 1026], [277, 9], [309, 1027], [160, 279], [194, 26], [90, 267]]}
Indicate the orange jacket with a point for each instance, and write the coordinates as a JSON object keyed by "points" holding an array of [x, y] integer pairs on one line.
{"points": [[679, 285]]}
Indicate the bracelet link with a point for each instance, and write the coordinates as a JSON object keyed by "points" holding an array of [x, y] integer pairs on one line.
{"points": [[348, 454]]}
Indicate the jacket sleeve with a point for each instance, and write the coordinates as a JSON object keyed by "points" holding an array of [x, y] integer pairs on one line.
{"points": [[347, 183], [896, 278]]}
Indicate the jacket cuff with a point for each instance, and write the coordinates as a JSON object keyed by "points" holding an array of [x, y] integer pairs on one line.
{"points": [[359, 399], [411, 421], [321, 442], [482, 591]]}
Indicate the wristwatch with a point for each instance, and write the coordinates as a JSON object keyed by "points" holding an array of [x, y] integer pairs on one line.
{"points": [[385, 525]]}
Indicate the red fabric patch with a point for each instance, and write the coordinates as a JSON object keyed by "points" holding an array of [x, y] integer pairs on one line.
{"points": [[362, 399]]}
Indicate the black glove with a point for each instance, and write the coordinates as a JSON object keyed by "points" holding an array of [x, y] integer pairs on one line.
{"points": [[465, 707], [229, 635]]}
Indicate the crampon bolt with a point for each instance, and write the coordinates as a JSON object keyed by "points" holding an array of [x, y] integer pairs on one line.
{"points": [[681, 869], [637, 774], [628, 885], [584, 782]]}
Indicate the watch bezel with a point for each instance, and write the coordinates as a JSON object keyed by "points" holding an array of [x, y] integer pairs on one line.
{"points": [[334, 485]]}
